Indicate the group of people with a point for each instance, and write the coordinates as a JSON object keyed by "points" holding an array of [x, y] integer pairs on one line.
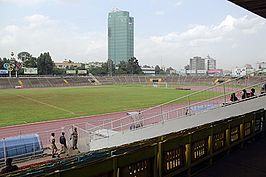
{"points": [[245, 95], [63, 143]]}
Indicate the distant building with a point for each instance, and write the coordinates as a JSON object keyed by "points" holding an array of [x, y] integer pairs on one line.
{"points": [[261, 67], [120, 36], [197, 63], [210, 63], [93, 64], [197, 66], [215, 72], [148, 70], [246, 70], [68, 64]]}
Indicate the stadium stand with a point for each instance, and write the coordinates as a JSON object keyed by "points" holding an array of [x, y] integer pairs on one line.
{"points": [[171, 81]]}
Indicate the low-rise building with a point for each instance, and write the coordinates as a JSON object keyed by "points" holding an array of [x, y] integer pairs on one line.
{"points": [[93, 64], [68, 64], [148, 70]]}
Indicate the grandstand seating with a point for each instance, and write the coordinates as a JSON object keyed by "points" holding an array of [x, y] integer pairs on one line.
{"points": [[33, 82]]}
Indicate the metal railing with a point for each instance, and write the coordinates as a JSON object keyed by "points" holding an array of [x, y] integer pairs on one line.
{"points": [[193, 103], [196, 102]]}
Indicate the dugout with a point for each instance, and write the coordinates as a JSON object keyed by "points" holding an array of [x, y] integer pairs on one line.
{"points": [[20, 146]]}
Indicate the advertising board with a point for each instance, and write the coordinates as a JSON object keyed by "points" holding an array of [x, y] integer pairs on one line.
{"points": [[30, 70], [3, 71], [70, 71]]}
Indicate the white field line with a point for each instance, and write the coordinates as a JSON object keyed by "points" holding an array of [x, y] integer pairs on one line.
{"points": [[50, 105]]}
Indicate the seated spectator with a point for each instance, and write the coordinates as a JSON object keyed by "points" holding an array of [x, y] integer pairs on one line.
{"points": [[233, 97], [263, 89], [9, 167], [252, 93], [245, 94]]}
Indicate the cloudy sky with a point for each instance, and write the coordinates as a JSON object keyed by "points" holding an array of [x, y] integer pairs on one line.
{"points": [[167, 32]]}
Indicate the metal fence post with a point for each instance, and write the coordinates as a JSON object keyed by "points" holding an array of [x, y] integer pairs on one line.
{"points": [[224, 93], [4, 146]]}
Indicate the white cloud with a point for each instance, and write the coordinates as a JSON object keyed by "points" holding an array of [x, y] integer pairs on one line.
{"points": [[22, 2], [40, 34], [159, 13], [178, 2], [234, 41]]}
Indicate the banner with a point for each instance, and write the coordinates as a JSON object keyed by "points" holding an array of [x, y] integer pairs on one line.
{"points": [[70, 71], [82, 71], [3, 71], [30, 70]]}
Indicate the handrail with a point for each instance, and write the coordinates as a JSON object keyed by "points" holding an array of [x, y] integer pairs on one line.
{"points": [[180, 98]]}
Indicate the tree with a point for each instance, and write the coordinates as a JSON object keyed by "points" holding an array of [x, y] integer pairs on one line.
{"points": [[157, 69], [122, 68], [45, 64], [129, 67], [133, 66], [30, 63], [3, 61], [168, 70], [24, 56], [102, 70]]}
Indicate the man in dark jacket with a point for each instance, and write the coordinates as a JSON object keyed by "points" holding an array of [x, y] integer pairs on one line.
{"points": [[9, 167], [62, 141]]}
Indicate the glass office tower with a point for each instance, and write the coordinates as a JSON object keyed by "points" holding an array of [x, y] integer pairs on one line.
{"points": [[120, 36]]}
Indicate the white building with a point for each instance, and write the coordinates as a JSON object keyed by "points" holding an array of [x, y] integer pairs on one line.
{"points": [[148, 70], [93, 64], [210, 63]]}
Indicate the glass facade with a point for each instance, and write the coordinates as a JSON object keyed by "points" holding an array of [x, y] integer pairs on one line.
{"points": [[120, 36]]}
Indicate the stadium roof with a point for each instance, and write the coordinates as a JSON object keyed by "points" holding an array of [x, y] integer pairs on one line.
{"points": [[256, 6]]}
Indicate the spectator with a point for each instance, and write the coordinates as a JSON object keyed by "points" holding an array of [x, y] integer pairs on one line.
{"points": [[233, 97], [74, 137], [245, 94], [9, 167], [53, 145], [252, 93], [263, 89], [62, 141]]}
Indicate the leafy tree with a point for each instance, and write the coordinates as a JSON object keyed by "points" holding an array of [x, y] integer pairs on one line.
{"points": [[168, 70], [58, 71], [30, 63], [122, 68], [157, 69], [24, 56], [1, 63], [129, 67], [45, 64]]}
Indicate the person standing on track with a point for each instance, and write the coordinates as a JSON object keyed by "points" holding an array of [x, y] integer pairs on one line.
{"points": [[74, 137], [53, 145], [62, 141]]}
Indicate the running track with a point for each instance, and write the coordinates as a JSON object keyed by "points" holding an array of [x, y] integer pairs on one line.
{"points": [[44, 129]]}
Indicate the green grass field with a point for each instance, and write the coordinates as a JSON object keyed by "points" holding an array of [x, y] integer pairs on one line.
{"points": [[35, 105]]}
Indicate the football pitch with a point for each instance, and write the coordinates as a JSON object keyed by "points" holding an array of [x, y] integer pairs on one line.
{"points": [[36, 105]]}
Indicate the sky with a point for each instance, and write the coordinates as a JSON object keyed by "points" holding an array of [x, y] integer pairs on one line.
{"points": [[167, 32]]}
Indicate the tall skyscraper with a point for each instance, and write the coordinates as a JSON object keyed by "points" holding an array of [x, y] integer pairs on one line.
{"points": [[120, 36]]}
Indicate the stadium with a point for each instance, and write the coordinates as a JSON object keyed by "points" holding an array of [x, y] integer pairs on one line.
{"points": [[130, 125], [106, 109]]}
